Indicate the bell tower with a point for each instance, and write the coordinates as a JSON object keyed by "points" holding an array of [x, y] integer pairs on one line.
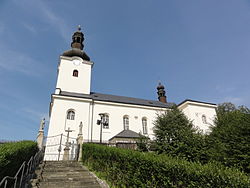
{"points": [[161, 93], [77, 39], [74, 69]]}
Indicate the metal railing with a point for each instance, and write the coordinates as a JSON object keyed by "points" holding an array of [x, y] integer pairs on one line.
{"points": [[24, 173], [55, 145]]}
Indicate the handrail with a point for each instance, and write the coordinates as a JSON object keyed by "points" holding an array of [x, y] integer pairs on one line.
{"points": [[25, 177], [52, 136]]}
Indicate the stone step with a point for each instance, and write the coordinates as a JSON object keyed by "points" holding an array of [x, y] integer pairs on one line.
{"points": [[65, 177], [50, 176], [67, 180], [71, 173], [61, 165], [79, 169], [69, 184], [68, 177], [61, 162]]}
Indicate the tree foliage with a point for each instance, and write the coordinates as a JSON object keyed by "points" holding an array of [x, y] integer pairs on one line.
{"points": [[229, 141], [143, 143], [13, 154], [175, 135]]}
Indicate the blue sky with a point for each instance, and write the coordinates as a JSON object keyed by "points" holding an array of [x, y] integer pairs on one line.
{"points": [[198, 49]]}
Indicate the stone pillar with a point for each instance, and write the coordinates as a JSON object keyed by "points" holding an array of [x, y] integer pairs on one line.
{"points": [[39, 139], [66, 149], [66, 153], [80, 141], [40, 134]]}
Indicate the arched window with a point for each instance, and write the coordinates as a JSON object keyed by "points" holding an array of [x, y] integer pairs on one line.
{"points": [[105, 121], [126, 122], [71, 115], [75, 73], [204, 119], [144, 126]]}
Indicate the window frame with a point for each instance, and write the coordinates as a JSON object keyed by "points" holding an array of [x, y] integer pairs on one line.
{"points": [[75, 73], [105, 124], [144, 125], [126, 122], [71, 115], [204, 119]]}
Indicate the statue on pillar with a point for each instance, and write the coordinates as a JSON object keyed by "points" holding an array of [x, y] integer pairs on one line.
{"points": [[41, 134], [79, 142], [42, 124], [80, 129]]}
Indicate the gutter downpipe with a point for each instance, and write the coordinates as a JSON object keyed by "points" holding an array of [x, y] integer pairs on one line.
{"points": [[92, 117]]}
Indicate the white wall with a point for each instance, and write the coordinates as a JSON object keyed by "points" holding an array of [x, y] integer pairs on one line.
{"points": [[67, 82], [58, 120], [59, 123], [116, 113], [194, 111], [87, 112], [84, 108]]}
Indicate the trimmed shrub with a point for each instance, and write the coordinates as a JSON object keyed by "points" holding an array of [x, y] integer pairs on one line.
{"points": [[128, 168], [13, 154]]}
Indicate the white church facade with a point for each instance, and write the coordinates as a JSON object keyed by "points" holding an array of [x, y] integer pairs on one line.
{"points": [[73, 105]]}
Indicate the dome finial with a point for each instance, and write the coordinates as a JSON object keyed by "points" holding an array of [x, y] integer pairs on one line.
{"points": [[79, 28]]}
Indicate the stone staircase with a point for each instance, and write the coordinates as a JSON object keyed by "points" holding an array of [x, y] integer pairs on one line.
{"points": [[62, 174]]}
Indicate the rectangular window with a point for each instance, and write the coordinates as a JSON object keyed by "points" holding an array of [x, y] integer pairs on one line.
{"points": [[126, 123], [106, 121], [144, 126]]}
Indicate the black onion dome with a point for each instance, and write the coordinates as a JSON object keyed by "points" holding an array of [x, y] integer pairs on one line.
{"points": [[77, 46], [76, 52], [160, 86]]}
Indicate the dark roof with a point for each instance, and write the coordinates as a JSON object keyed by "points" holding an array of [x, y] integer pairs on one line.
{"points": [[126, 134], [118, 99], [76, 52], [190, 100]]}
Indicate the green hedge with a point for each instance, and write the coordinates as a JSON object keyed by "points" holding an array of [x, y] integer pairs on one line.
{"points": [[128, 168], [13, 154]]}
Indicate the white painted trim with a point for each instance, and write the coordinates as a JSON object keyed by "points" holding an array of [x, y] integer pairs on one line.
{"points": [[76, 57], [110, 103], [197, 103], [70, 98]]}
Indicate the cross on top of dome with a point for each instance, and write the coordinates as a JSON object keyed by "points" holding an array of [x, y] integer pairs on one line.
{"points": [[79, 28]]}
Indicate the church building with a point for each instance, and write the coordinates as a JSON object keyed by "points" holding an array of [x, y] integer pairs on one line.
{"points": [[103, 117]]}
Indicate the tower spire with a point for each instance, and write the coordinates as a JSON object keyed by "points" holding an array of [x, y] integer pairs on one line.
{"points": [[77, 39], [161, 93], [77, 45]]}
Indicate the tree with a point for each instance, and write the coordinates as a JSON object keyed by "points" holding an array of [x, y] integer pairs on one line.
{"points": [[143, 143], [229, 140], [175, 135], [225, 107]]}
